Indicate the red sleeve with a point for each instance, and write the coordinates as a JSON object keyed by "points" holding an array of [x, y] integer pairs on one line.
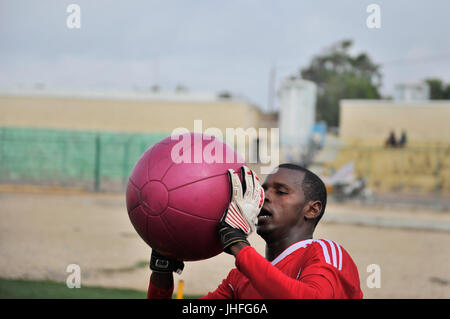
{"points": [[224, 291], [155, 292], [271, 283]]}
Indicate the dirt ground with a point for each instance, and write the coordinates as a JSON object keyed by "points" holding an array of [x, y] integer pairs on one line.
{"points": [[43, 232]]}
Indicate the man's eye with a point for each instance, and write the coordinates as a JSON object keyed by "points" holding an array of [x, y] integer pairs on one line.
{"points": [[281, 192]]}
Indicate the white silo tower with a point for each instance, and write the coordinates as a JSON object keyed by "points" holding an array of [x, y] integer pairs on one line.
{"points": [[297, 112]]}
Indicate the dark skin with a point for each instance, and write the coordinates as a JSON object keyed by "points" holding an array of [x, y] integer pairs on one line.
{"points": [[291, 218]]}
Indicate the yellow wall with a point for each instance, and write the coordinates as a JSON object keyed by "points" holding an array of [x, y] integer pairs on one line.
{"points": [[369, 121], [123, 115], [423, 165]]}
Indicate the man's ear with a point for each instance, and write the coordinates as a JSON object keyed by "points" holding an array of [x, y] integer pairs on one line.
{"points": [[312, 210]]}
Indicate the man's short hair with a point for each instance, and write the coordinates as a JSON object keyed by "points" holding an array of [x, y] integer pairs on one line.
{"points": [[313, 187]]}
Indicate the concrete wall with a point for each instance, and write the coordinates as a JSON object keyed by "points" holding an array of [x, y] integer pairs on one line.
{"points": [[369, 121], [103, 114]]}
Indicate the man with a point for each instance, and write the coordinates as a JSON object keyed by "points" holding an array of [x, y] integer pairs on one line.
{"points": [[391, 140], [296, 265]]}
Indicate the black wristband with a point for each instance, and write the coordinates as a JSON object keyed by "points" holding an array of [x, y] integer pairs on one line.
{"points": [[161, 263], [230, 236]]}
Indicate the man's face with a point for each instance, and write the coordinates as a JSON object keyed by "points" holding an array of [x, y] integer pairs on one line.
{"points": [[284, 202]]}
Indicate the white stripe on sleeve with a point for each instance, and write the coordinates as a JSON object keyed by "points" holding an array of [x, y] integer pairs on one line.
{"points": [[333, 253], [325, 251], [340, 256]]}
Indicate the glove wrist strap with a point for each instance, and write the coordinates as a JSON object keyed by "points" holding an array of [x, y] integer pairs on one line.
{"points": [[230, 236], [160, 263]]}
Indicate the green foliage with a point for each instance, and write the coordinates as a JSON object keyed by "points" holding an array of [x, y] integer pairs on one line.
{"points": [[341, 75], [438, 90]]}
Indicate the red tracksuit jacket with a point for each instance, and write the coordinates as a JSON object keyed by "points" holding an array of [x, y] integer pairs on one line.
{"points": [[308, 269]]}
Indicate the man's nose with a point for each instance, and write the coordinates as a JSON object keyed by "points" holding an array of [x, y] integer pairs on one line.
{"points": [[267, 195]]}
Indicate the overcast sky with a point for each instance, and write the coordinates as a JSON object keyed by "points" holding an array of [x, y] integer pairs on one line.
{"points": [[211, 46]]}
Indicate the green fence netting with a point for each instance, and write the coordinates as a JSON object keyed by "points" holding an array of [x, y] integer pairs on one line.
{"points": [[93, 160]]}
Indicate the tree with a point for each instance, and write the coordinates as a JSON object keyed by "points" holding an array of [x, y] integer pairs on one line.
{"points": [[438, 90], [340, 75]]}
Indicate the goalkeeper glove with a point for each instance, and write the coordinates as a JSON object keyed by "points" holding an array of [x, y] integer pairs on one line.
{"points": [[240, 219]]}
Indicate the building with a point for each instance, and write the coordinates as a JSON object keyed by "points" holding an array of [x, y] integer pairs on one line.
{"points": [[407, 92], [131, 111], [369, 122], [297, 112], [422, 164], [93, 139]]}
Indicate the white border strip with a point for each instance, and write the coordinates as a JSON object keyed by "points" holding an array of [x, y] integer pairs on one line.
{"points": [[291, 249]]}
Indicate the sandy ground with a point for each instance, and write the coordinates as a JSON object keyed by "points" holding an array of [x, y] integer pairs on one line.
{"points": [[42, 233]]}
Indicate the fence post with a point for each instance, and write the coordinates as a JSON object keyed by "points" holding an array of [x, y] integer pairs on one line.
{"points": [[437, 172], [97, 163], [125, 160], [63, 176], [2, 151]]}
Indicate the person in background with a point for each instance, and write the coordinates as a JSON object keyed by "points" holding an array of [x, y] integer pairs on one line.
{"points": [[391, 140], [403, 139]]}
